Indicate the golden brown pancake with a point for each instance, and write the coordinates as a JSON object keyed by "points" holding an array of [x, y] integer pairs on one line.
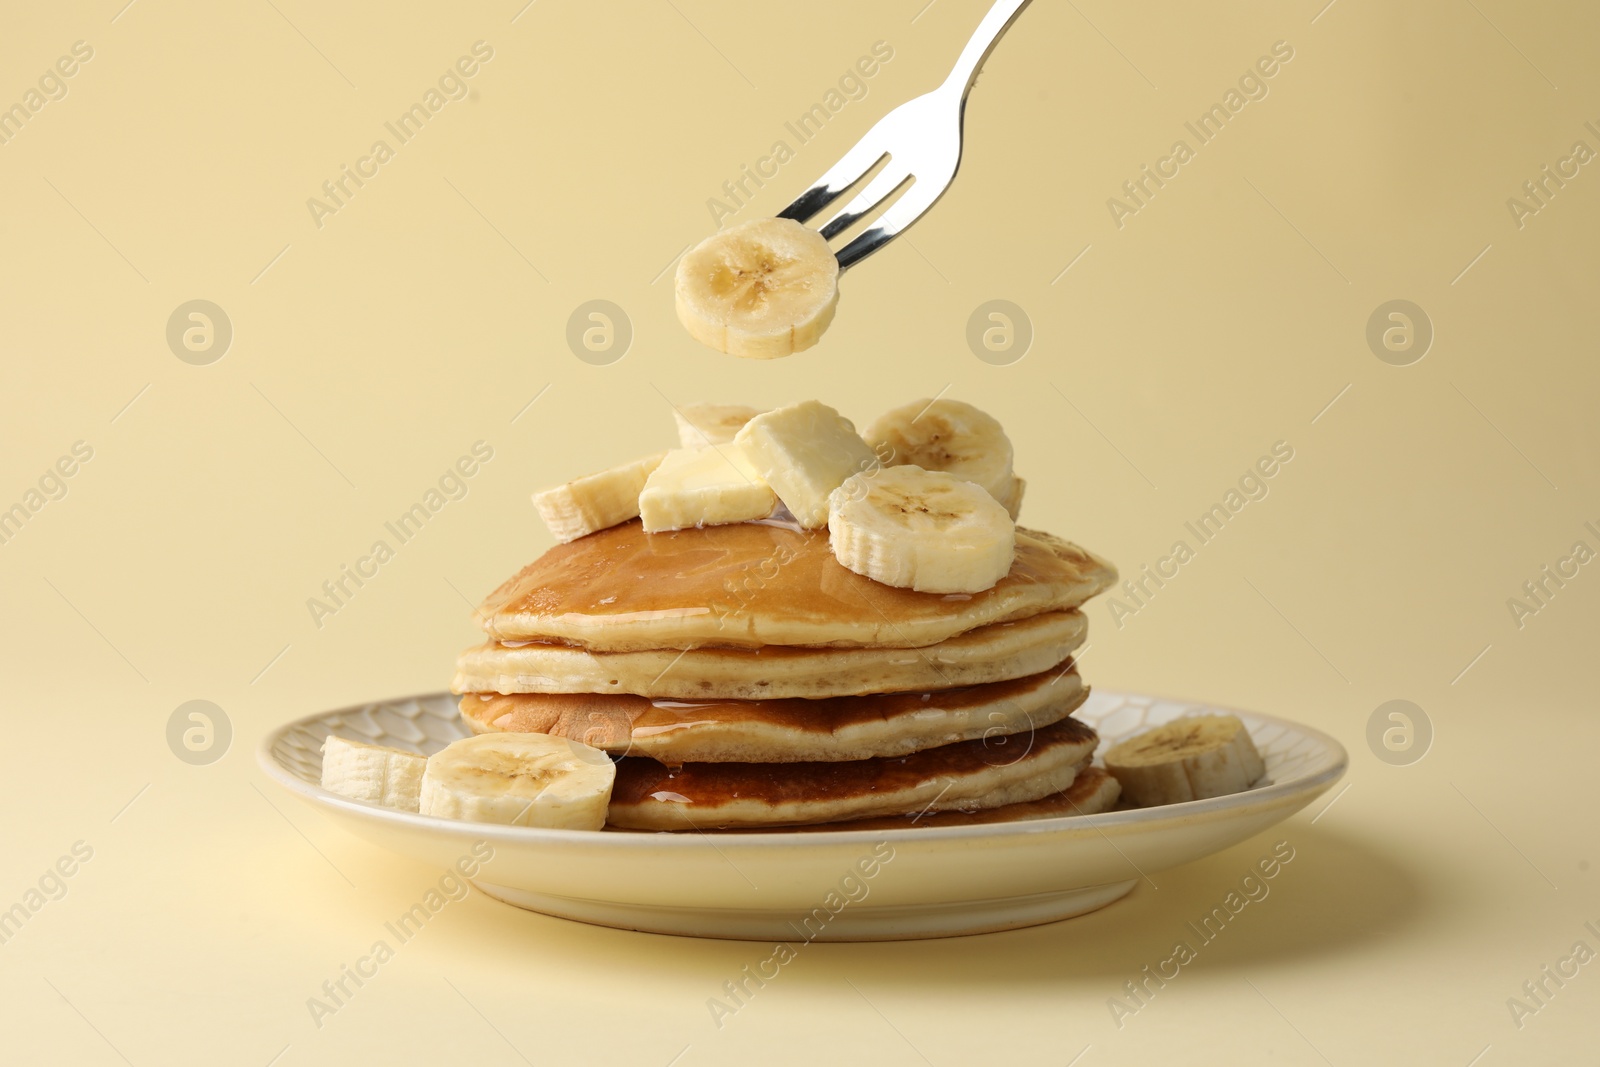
{"points": [[993, 653], [783, 731], [745, 585], [1091, 792], [968, 775]]}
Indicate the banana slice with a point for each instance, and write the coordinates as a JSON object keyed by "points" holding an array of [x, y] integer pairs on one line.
{"points": [[947, 435], [705, 424], [923, 530], [519, 780], [388, 776], [704, 487], [1187, 759], [1012, 499], [805, 451], [762, 289], [595, 501]]}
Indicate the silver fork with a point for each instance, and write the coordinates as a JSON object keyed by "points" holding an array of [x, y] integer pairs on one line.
{"points": [[922, 139]]}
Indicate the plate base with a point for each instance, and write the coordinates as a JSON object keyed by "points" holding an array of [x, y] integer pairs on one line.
{"points": [[856, 922]]}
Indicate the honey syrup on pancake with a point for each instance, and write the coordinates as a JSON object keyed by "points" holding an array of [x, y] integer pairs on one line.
{"points": [[728, 574], [612, 713]]}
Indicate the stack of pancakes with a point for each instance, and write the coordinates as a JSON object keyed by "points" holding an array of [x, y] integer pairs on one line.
{"points": [[746, 679]]}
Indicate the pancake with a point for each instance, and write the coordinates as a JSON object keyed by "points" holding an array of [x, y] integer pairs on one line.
{"points": [[994, 653], [784, 731], [744, 585], [969, 775], [1091, 792]]}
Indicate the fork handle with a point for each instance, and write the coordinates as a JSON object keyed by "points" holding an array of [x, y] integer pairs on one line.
{"points": [[995, 23]]}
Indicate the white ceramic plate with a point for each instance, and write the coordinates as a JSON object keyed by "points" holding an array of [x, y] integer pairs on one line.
{"points": [[846, 885]]}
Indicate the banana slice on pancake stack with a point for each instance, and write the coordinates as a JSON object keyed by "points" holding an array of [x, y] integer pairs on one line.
{"points": [[519, 780], [920, 529], [953, 437], [391, 777], [784, 621]]}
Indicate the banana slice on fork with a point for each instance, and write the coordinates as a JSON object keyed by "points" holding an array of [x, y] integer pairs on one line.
{"points": [[762, 289]]}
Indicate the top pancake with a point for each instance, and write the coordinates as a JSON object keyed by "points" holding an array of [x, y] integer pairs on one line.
{"points": [[745, 585]]}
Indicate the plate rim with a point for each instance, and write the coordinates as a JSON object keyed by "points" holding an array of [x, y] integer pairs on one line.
{"points": [[1310, 785]]}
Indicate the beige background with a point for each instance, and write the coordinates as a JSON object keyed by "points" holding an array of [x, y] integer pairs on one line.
{"points": [[423, 316]]}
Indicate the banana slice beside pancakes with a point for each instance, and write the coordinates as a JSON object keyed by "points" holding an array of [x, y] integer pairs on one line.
{"points": [[373, 773], [1186, 759], [519, 780], [761, 290]]}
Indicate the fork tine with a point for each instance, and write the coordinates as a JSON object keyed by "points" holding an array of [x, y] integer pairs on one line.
{"points": [[888, 180], [906, 210], [862, 157]]}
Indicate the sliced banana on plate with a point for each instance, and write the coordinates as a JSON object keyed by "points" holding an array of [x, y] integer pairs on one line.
{"points": [[762, 289], [950, 436], [519, 780], [1187, 759], [923, 530], [595, 501], [374, 773]]}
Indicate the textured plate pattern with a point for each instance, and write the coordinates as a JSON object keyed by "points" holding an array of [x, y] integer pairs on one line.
{"points": [[422, 724]]}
